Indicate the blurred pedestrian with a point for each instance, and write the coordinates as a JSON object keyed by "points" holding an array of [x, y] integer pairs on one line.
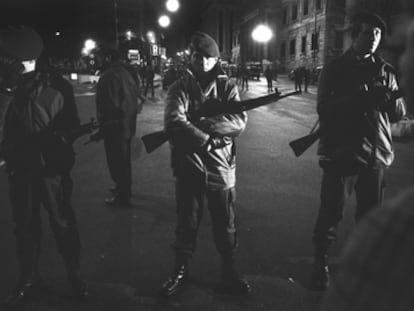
{"points": [[306, 78], [203, 162], [355, 105], [298, 78], [269, 78], [118, 101], [40, 104], [149, 80], [245, 77]]}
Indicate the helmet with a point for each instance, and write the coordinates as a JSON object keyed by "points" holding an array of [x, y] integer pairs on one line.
{"points": [[22, 43]]}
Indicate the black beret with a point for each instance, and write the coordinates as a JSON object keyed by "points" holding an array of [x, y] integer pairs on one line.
{"points": [[22, 43], [370, 18], [203, 43]]}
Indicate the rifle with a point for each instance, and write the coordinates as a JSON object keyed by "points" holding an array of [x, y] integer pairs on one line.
{"points": [[154, 140], [83, 129], [300, 145]]}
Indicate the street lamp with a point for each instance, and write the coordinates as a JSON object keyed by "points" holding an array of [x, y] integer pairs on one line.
{"points": [[88, 46], [262, 34], [164, 21], [172, 5]]}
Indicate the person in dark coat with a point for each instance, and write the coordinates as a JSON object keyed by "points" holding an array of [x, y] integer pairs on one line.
{"points": [[149, 80], [118, 100], [203, 161], [245, 77], [269, 78], [355, 105], [306, 78], [298, 78], [376, 271], [38, 105]]}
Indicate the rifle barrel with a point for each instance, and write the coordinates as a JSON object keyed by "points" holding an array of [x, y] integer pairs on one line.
{"points": [[154, 140]]}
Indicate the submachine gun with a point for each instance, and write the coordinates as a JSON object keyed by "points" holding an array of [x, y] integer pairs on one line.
{"points": [[214, 108]]}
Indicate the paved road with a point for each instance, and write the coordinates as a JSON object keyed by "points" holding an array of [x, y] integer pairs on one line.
{"points": [[126, 252]]}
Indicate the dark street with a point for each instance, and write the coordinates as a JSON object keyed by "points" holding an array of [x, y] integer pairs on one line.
{"points": [[126, 251]]}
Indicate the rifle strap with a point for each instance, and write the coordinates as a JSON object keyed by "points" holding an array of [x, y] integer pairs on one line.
{"points": [[221, 82]]}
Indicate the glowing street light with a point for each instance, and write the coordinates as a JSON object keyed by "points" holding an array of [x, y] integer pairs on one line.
{"points": [[164, 21], [151, 36], [90, 44], [172, 5], [262, 33], [128, 34]]}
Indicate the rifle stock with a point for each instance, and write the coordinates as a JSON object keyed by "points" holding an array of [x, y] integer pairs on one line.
{"points": [[300, 145], [154, 140]]}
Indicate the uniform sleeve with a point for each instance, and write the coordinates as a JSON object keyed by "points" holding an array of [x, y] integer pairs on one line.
{"points": [[68, 117], [228, 124], [396, 108], [4, 105], [181, 130]]}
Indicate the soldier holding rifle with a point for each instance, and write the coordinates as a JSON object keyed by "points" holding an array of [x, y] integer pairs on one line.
{"points": [[355, 107], [203, 162]]}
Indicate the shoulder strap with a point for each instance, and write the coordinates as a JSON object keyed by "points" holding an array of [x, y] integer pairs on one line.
{"points": [[221, 82]]}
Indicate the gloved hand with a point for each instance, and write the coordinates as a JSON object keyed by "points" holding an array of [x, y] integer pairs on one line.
{"points": [[10, 73], [378, 98], [217, 142]]}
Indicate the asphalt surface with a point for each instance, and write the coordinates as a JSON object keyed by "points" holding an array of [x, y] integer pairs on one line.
{"points": [[126, 253]]}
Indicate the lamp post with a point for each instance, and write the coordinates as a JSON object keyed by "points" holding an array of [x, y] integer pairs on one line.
{"points": [[116, 23], [262, 34]]}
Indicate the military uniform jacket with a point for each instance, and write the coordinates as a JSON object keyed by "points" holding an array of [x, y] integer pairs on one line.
{"points": [[117, 98], [189, 135], [352, 126], [43, 105]]}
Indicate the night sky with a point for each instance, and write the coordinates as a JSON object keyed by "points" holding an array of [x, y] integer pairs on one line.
{"points": [[80, 19]]}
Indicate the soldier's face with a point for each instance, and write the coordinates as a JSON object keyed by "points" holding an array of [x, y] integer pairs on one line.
{"points": [[367, 40], [201, 63], [406, 65]]}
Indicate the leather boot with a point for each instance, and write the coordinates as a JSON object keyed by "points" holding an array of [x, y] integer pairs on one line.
{"points": [[178, 278], [231, 282], [319, 280]]}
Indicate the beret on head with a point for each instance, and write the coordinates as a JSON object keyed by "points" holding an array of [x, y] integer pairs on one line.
{"points": [[22, 43], [203, 43], [370, 18]]}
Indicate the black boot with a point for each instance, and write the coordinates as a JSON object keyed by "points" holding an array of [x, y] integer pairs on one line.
{"points": [[178, 278], [319, 280], [231, 282]]}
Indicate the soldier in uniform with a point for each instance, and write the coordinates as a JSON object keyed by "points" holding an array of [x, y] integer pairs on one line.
{"points": [[203, 161], [356, 105], [37, 104]]}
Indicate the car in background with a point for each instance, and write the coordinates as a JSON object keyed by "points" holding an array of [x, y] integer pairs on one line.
{"points": [[255, 70]]}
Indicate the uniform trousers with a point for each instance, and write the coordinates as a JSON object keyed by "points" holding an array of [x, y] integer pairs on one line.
{"points": [[28, 193], [118, 156], [338, 183], [192, 197]]}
